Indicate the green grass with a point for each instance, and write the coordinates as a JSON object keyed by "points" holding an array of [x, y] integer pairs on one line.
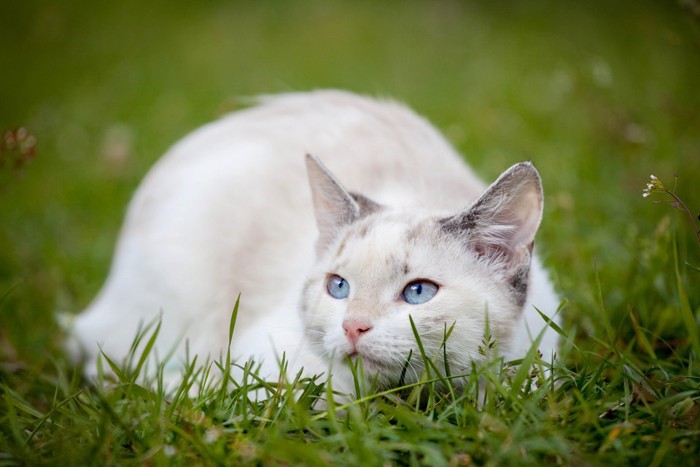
{"points": [[598, 94]]}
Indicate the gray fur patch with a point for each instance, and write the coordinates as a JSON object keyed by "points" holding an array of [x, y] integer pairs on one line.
{"points": [[460, 224], [415, 232], [519, 282]]}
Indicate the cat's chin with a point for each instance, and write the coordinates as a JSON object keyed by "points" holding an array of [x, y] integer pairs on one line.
{"points": [[368, 362]]}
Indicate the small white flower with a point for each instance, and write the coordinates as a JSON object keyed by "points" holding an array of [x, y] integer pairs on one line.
{"points": [[212, 434]]}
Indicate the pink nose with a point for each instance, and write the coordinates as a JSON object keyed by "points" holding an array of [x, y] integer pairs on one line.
{"points": [[354, 328]]}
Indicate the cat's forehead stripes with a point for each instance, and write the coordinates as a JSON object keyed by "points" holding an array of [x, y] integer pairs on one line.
{"points": [[359, 230], [386, 240], [417, 230], [377, 228]]}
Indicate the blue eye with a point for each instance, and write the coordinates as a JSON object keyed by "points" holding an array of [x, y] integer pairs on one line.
{"points": [[419, 292], [337, 287]]}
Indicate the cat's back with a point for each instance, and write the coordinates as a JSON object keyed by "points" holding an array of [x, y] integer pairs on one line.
{"points": [[376, 147]]}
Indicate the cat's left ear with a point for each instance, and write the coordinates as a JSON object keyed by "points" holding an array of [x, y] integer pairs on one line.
{"points": [[501, 225], [334, 206]]}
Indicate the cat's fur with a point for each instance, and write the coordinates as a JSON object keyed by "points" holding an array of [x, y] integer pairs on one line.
{"points": [[228, 210]]}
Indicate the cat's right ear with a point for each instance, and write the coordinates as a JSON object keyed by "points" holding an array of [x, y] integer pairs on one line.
{"points": [[501, 225], [334, 206]]}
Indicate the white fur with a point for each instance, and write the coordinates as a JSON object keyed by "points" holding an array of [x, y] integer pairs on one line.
{"points": [[228, 210]]}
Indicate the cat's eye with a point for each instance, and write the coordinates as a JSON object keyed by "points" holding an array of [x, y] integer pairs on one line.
{"points": [[418, 292], [337, 287]]}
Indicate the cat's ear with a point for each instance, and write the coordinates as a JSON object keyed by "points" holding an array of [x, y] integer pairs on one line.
{"points": [[334, 206], [501, 225]]}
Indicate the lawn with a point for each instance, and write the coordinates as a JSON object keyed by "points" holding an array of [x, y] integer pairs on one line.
{"points": [[599, 95]]}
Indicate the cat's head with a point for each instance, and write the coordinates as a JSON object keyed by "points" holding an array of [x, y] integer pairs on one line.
{"points": [[452, 272]]}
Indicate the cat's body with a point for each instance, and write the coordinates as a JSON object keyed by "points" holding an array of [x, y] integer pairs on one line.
{"points": [[228, 210]]}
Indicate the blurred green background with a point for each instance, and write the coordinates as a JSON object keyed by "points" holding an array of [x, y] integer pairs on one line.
{"points": [[598, 94]]}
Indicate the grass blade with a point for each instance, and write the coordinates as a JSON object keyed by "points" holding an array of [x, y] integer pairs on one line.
{"points": [[686, 311]]}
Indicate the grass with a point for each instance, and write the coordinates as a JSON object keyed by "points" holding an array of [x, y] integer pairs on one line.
{"points": [[598, 94]]}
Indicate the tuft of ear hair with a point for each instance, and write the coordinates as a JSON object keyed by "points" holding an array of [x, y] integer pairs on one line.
{"points": [[334, 206], [501, 225]]}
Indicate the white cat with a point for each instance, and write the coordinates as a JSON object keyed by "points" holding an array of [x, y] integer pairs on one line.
{"points": [[324, 273]]}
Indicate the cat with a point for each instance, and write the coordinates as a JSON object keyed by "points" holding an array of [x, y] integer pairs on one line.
{"points": [[325, 273]]}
